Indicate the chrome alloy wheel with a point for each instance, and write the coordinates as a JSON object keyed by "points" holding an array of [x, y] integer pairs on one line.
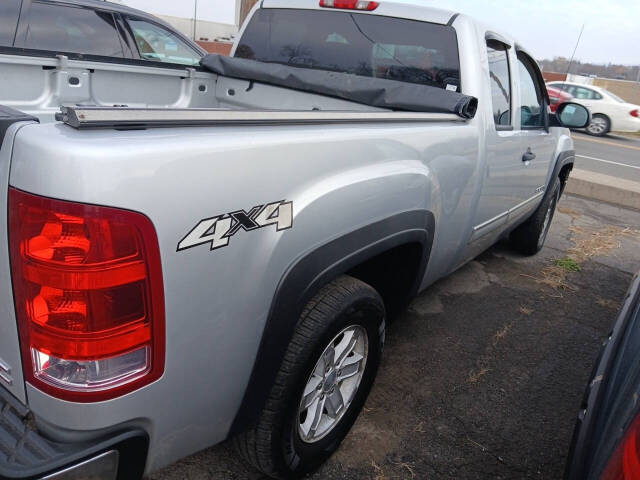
{"points": [[597, 126], [333, 384]]}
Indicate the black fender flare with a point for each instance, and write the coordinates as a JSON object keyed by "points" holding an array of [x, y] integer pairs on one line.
{"points": [[306, 276], [564, 158]]}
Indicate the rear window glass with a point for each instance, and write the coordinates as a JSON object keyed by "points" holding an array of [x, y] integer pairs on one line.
{"points": [[65, 29], [361, 44], [9, 13]]}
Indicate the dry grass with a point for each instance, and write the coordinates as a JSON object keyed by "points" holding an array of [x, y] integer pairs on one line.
{"points": [[555, 277], [378, 471], [474, 377], [607, 303], [408, 467], [526, 310], [500, 334], [587, 244], [595, 243], [479, 445]]}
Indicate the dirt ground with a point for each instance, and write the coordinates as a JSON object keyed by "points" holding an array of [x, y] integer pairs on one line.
{"points": [[483, 374]]}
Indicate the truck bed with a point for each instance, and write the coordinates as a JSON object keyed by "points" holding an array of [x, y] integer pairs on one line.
{"points": [[40, 86]]}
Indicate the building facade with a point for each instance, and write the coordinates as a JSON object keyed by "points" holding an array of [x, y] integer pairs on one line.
{"points": [[215, 37]]}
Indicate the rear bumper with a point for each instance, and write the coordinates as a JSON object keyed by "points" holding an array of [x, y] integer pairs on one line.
{"points": [[26, 454], [629, 124]]}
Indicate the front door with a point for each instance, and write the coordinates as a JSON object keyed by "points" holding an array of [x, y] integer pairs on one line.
{"points": [[536, 142]]}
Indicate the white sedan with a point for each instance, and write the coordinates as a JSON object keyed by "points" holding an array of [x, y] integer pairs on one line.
{"points": [[608, 111]]}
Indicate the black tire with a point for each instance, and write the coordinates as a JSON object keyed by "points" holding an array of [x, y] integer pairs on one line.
{"points": [[274, 445], [600, 125], [529, 237]]}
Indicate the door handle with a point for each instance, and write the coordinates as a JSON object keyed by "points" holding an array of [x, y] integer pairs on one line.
{"points": [[528, 155]]}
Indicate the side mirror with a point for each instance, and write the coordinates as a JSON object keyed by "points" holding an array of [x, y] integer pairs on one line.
{"points": [[572, 115]]}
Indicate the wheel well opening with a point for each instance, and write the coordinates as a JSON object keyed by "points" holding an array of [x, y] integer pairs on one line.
{"points": [[394, 275]]}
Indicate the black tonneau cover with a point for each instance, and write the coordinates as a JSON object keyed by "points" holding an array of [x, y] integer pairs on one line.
{"points": [[376, 92], [9, 116]]}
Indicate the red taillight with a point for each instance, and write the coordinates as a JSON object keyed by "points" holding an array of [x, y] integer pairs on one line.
{"points": [[89, 298], [350, 4], [625, 462], [635, 113]]}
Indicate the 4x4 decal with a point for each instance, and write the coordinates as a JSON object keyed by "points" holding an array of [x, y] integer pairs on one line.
{"points": [[217, 231]]}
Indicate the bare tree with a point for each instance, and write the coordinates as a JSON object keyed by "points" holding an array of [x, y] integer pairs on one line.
{"points": [[245, 8]]}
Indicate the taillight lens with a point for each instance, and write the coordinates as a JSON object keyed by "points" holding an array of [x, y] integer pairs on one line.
{"points": [[635, 113], [625, 462], [87, 282], [350, 4]]}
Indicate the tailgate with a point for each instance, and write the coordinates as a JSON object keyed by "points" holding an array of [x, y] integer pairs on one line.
{"points": [[11, 377]]}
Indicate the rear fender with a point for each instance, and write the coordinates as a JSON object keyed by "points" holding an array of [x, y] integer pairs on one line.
{"points": [[11, 376], [411, 224]]}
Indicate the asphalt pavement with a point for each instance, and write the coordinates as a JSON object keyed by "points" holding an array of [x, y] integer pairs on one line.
{"points": [[612, 155]]}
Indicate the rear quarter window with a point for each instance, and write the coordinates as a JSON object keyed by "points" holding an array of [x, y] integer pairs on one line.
{"points": [[500, 81], [9, 14], [360, 44]]}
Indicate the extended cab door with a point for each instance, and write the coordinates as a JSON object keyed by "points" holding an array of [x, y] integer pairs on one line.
{"points": [[536, 141], [503, 148]]}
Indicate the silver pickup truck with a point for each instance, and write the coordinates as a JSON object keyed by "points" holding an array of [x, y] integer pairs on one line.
{"points": [[196, 254]]}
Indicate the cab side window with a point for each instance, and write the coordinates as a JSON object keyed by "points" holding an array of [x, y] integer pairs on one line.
{"points": [[9, 13], [70, 29], [532, 108], [500, 80]]}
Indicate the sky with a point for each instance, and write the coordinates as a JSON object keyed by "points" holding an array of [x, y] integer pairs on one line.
{"points": [[221, 11], [547, 28], [550, 28]]}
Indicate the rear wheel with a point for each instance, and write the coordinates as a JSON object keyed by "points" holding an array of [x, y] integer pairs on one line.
{"points": [[600, 125], [327, 373], [529, 237]]}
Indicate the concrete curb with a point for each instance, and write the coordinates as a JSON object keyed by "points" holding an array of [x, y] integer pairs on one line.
{"points": [[618, 191]]}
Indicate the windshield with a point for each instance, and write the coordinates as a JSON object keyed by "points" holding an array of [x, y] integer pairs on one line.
{"points": [[360, 44], [160, 45]]}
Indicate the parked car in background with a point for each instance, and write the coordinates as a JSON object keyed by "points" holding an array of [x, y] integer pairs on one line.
{"points": [[608, 111], [606, 440], [556, 97], [92, 29]]}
